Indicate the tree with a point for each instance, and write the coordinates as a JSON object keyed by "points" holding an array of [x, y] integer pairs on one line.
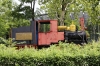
{"points": [[5, 9], [24, 11], [6, 19], [56, 8], [92, 7]]}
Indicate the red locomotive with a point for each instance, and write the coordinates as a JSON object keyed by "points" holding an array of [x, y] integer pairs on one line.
{"points": [[43, 33]]}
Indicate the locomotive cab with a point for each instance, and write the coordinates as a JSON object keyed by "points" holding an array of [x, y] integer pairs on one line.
{"points": [[48, 32]]}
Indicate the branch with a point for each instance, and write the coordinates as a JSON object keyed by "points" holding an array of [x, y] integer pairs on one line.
{"points": [[69, 3]]}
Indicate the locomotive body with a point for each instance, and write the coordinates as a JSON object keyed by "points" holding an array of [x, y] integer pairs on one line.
{"points": [[77, 37], [45, 32]]}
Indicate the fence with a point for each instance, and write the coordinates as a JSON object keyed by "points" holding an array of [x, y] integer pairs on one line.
{"points": [[94, 31]]}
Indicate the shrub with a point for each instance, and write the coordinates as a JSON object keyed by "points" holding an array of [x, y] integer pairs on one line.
{"points": [[63, 55]]}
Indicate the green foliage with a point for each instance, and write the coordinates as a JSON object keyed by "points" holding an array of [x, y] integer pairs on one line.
{"points": [[5, 8], [63, 55], [7, 42], [92, 8], [7, 21], [23, 11], [54, 8]]}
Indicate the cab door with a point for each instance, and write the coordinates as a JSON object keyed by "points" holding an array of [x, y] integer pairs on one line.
{"points": [[44, 29]]}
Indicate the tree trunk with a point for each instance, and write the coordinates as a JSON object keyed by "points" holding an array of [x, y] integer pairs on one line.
{"points": [[33, 10], [62, 18], [94, 32]]}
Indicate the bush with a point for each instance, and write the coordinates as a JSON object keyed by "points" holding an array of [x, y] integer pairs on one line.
{"points": [[7, 42], [63, 55]]}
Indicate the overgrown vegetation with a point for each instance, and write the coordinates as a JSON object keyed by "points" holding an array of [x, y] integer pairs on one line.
{"points": [[63, 55]]}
